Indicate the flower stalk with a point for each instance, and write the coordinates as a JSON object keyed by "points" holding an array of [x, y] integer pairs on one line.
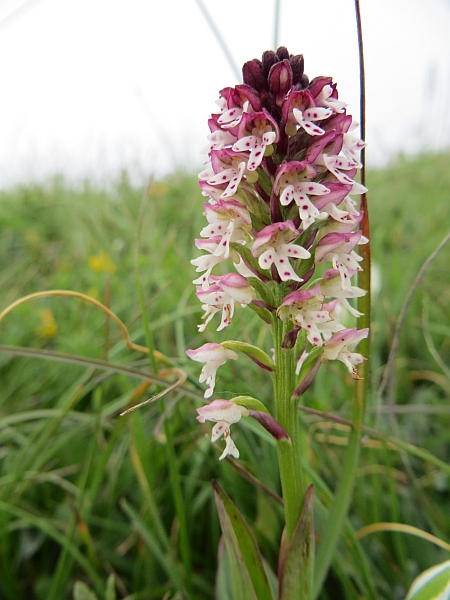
{"points": [[279, 179], [292, 476]]}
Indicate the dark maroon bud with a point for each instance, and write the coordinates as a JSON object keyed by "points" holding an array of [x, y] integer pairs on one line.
{"points": [[304, 81], [269, 58], [263, 304], [280, 81], [304, 385], [297, 66], [252, 75], [290, 338], [282, 53], [275, 275], [269, 423], [275, 210]]}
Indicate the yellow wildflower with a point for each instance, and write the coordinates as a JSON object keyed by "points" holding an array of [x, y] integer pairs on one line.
{"points": [[102, 262], [48, 328]]}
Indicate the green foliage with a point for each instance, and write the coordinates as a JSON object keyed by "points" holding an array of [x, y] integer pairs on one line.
{"points": [[248, 577], [85, 494]]}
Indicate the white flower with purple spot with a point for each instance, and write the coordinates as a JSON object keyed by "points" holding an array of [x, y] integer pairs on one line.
{"points": [[331, 287], [206, 262], [257, 133], [326, 98], [338, 249], [307, 119], [273, 245], [293, 182], [223, 413], [225, 292], [305, 309], [214, 356], [336, 165], [352, 147], [227, 167], [230, 221], [339, 347]]}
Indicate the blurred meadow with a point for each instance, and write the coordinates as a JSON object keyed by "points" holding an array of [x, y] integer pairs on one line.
{"points": [[89, 496]]}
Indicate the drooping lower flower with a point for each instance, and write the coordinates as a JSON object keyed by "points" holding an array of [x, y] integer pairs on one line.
{"points": [[214, 356], [223, 413], [339, 347]]}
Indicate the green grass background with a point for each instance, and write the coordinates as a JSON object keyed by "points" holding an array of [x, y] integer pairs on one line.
{"points": [[85, 493]]}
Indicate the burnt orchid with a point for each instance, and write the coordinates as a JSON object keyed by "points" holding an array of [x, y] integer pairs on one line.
{"points": [[282, 214]]}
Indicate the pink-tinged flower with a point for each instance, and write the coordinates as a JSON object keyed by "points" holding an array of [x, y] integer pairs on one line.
{"points": [[336, 165], [227, 167], [328, 97], [234, 102], [307, 119], [273, 246], [345, 225], [328, 328], [214, 355], [229, 221], [206, 262], [257, 133], [305, 309], [295, 99], [213, 191], [218, 140], [222, 296], [338, 248], [223, 413], [352, 147], [331, 287], [293, 182], [339, 347]]}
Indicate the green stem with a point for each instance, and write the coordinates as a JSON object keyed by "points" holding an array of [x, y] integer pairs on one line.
{"points": [[293, 482]]}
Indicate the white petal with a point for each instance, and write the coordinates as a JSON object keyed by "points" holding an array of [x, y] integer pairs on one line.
{"points": [[230, 448], [317, 113]]}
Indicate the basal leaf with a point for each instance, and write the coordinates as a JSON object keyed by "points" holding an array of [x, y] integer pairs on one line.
{"points": [[248, 577]]}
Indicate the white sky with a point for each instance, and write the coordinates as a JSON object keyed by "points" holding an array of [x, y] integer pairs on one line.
{"points": [[91, 86]]}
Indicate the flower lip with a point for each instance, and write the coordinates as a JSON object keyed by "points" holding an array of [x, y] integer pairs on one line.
{"points": [[304, 167], [270, 233]]}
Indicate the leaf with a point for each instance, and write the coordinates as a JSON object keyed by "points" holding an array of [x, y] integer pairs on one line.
{"points": [[223, 583], [248, 577], [251, 262], [110, 592], [82, 592], [432, 584], [296, 560], [264, 291], [250, 403], [256, 354], [262, 313]]}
